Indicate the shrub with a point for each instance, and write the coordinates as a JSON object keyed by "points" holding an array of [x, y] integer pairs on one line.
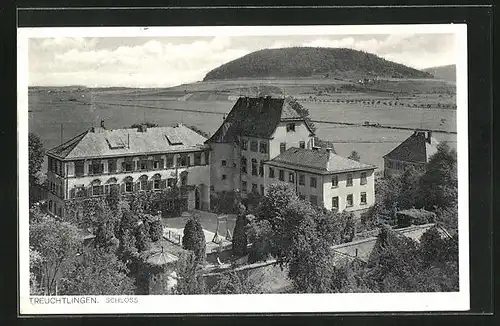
{"points": [[194, 238], [414, 217]]}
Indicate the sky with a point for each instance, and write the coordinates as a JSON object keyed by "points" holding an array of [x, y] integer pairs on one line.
{"points": [[171, 61]]}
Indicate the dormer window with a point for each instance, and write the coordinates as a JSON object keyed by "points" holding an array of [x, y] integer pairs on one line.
{"points": [[290, 127]]}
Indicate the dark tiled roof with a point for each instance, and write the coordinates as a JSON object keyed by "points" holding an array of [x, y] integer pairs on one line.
{"points": [[414, 149], [319, 160], [254, 117], [125, 142]]}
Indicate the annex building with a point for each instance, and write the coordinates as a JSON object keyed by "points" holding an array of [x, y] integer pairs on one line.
{"points": [[264, 140], [415, 151], [142, 159]]}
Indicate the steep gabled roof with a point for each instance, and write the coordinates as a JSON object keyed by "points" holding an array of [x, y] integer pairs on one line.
{"points": [[254, 117], [320, 161], [415, 148], [125, 142]]}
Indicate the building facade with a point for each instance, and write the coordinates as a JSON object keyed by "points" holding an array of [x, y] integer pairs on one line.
{"points": [[324, 178], [255, 131], [143, 159], [415, 151]]}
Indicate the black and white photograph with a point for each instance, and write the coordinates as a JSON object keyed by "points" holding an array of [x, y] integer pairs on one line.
{"points": [[243, 169]]}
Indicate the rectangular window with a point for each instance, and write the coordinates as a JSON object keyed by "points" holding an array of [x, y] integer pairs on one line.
{"points": [[282, 175], [156, 184], [363, 198], [313, 182], [197, 158], [111, 166], [244, 145], [224, 177], [335, 181], [261, 168], [244, 187], [349, 180], [290, 127], [182, 160], [156, 165], [314, 200], [350, 200], [282, 147], [291, 177], [144, 185], [170, 161], [335, 203], [223, 162], [254, 146], [254, 166], [79, 168], [262, 190], [363, 178], [96, 168], [271, 172], [254, 187], [302, 144], [128, 186], [143, 165], [302, 179], [263, 147]]}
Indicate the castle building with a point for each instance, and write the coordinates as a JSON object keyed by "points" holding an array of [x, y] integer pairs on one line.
{"points": [[130, 160], [415, 151], [255, 131], [324, 178]]}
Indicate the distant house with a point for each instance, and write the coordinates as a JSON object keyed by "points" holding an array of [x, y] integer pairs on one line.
{"points": [[256, 130], [415, 151], [324, 178], [129, 160]]}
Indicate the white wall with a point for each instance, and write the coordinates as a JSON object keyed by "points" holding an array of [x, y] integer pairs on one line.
{"points": [[291, 138], [342, 190]]}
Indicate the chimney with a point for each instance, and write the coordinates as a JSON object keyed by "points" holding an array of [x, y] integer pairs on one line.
{"points": [[428, 136]]}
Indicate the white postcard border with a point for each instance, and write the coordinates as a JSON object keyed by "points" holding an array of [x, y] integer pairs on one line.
{"points": [[262, 303]]}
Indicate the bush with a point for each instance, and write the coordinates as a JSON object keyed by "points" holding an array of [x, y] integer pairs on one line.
{"points": [[223, 202], [142, 239]]}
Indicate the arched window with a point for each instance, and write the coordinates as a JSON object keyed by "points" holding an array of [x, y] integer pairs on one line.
{"points": [[110, 184], [143, 180], [156, 181], [97, 188], [129, 184]]}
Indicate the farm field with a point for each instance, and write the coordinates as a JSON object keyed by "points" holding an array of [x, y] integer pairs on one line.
{"points": [[204, 104]]}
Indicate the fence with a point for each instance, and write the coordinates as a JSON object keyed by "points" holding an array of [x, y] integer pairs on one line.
{"points": [[173, 237]]}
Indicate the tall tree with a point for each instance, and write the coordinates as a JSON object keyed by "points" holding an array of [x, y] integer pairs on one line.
{"points": [[440, 180], [35, 155], [354, 156], [97, 272], [240, 237], [409, 194], [57, 243], [190, 275], [194, 238]]}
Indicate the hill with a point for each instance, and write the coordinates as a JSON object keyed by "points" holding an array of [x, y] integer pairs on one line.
{"points": [[448, 72], [309, 61]]}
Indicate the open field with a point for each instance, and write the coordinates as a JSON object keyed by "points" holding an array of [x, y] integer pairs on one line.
{"points": [[204, 104]]}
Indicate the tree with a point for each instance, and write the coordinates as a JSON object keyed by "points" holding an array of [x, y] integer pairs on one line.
{"points": [[240, 240], [57, 243], [190, 275], [409, 189], [439, 183], [35, 271], [156, 230], [97, 272], [194, 238], [36, 153], [354, 156], [143, 242]]}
